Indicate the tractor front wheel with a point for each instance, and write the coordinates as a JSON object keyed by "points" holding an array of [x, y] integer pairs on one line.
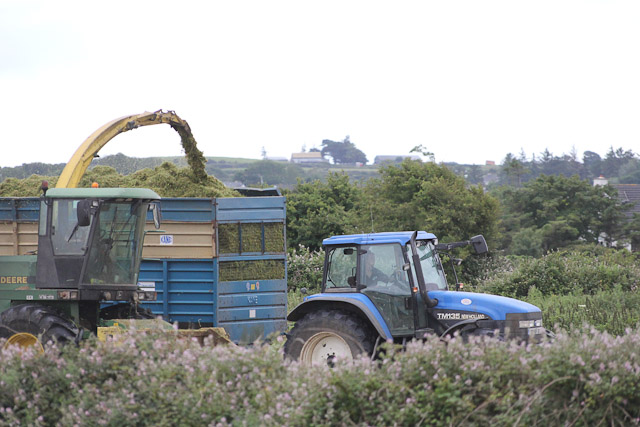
{"points": [[326, 336], [34, 325]]}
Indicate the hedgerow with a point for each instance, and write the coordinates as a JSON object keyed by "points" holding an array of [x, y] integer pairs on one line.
{"points": [[583, 377], [580, 271], [611, 311]]}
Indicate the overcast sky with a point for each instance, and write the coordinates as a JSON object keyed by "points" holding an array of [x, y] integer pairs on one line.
{"points": [[469, 80]]}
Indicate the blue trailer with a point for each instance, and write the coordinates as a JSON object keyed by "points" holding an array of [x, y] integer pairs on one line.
{"points": [[216, 262]]}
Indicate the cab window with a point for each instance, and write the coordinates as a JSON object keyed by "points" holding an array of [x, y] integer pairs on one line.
{"points": [[341, 267]]}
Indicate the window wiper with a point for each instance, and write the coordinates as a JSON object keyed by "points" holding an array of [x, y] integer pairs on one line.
{"points": [[329, 272], [75, 228]]}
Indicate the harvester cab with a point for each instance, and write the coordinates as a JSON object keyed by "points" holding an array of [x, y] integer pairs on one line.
{"points": [[91, 240], [392, 287], [89, 252]]}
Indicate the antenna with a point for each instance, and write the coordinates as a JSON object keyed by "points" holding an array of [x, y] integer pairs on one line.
{"points": [[371, 212]]}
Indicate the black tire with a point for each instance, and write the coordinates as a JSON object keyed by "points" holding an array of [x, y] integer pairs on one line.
{"points": [[126, 311], [45, 323], [323, 336]]}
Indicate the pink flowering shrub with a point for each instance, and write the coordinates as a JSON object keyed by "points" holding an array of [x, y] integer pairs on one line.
{"points": [[583, 377], [304, 269]]}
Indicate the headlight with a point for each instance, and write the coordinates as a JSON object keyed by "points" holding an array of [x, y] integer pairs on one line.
{"points": [[527, 323], [68, 294]]}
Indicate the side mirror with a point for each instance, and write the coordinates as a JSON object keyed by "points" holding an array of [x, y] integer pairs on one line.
{"points": [[155, 212], [83, 211], [479, 244]]}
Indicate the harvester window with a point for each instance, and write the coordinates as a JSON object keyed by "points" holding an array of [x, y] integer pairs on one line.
{"points": [[67, 237], [115, 251], [42, 227]]}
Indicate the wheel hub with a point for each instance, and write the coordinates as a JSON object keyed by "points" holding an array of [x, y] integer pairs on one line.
{"points": [[24, 340], [325, 348]]}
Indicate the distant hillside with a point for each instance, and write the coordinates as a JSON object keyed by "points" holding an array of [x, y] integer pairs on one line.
{"points": [[618, 166], [237, 171], [250, 172]]}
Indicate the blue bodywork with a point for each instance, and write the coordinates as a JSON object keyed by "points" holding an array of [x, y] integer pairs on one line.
{"points": [[23, 209], [190, 291], [400, 237], [361, 301], [494, 306]]}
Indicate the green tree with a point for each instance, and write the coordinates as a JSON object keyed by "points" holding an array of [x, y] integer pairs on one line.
{"points": [[562, 209], [422, 150], [512, 170], [317, 210], [566, 164], [527, 241], [615, 160], [632, 232], [630, 172], [343, 152], [592, 163], [426, 196]]}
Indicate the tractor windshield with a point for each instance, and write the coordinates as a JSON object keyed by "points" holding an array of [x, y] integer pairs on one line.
{"points": [[116, 247], [434, 277]]}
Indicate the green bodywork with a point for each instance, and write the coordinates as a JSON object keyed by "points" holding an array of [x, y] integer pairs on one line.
{"points": [[18, 281], [111, 218], [102, 193]]}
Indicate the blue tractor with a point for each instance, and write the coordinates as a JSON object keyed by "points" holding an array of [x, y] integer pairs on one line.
{"points": [[392, 286]]}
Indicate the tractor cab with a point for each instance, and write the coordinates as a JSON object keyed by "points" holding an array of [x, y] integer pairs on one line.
{"points": [[391, 270], [91, 238]]}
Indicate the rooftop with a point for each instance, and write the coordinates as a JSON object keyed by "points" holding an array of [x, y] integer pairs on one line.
{"points": [[629, 195], [309, 155]]}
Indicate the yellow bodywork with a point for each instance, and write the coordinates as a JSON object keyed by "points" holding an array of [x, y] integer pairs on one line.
{"points": [[121, 326], [24, 340], [81, 159], [77, 166]]}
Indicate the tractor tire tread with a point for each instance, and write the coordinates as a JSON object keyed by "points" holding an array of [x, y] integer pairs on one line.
{"points": [[356, 331], [42, 321]]}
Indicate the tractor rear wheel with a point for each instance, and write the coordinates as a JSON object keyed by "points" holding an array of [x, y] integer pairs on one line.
{"points": [[32, 324], [325, 336]]}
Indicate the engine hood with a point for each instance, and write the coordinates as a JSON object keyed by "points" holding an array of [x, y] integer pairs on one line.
{"points": [[494, 306]]}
